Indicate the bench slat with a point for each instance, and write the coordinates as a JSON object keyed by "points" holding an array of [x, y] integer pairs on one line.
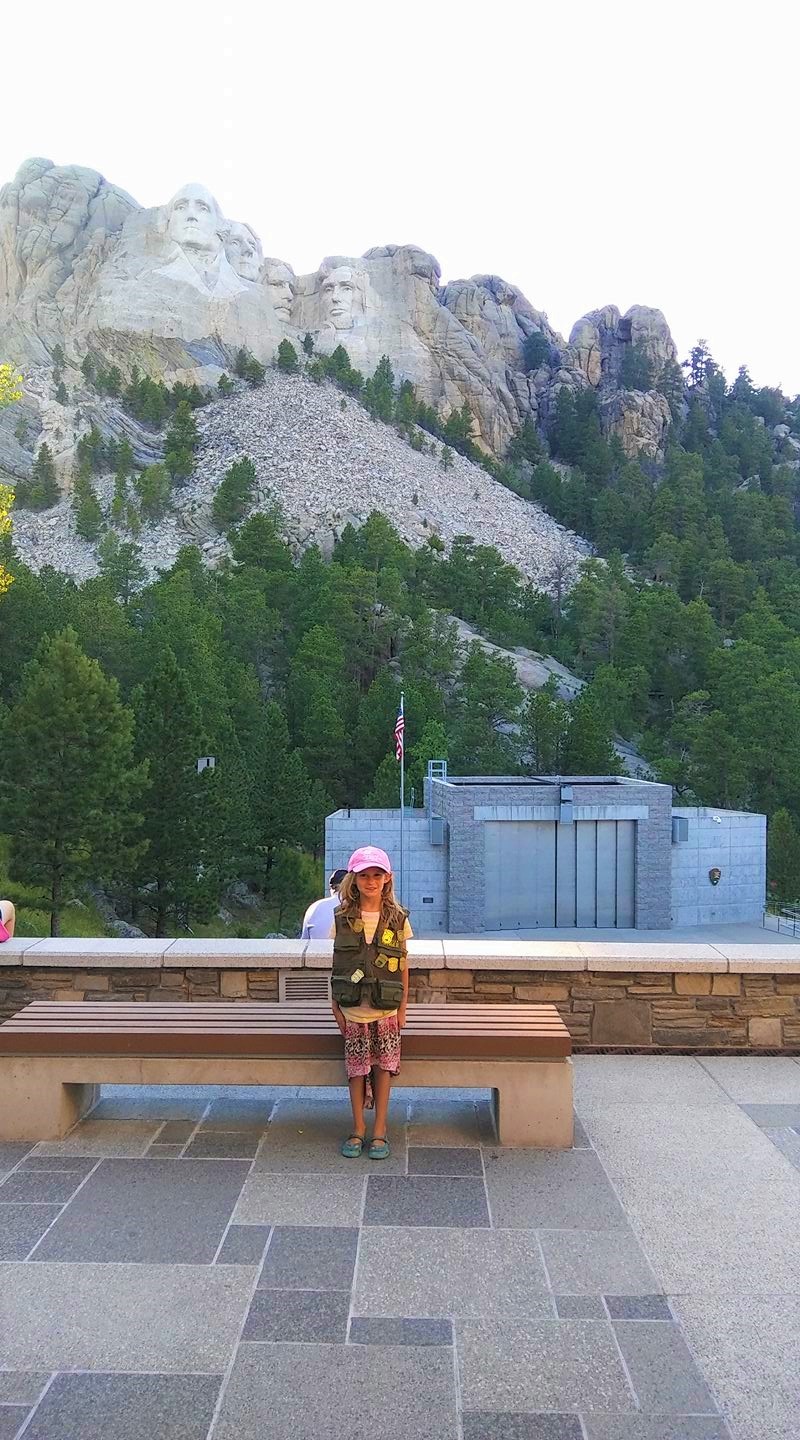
{"points": [[304, 1029]]}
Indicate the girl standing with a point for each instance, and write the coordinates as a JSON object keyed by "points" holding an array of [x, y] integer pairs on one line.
{"points": [[369, 986]]}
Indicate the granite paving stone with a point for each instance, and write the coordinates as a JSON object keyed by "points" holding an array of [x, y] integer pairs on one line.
{"points": [[773, 1117], [444, 1160], [244, 1245], [374, 1330], [154, 1103], [239, 1145], [127, 1407], [788, 1142], [580, 1307], [306, 1139], [277, 1391], [64, 1164], [747, 1346], [301, 1199], [151, 1211], [433, 1272], [425, 1200], [39, 1188], [11, 1418], [755, 1079], [655, 1427], [522, 1365], [661, 1368], [11, 1152], [165, 1152], [243, 1112], [22, 1387], [175, 1132], [121, 1139], [596, 1262], [485, 1425], [172, 1319], [21, 1226], [644, 1080], [549, 1189], [638, 1307], [309, 1257], [311, 1316], [450, 1122]]}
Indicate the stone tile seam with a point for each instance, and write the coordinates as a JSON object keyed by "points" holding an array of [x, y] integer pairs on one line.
{"points": [[29, 1418], [238, 1341], [219, 1248], [67, 1203]]}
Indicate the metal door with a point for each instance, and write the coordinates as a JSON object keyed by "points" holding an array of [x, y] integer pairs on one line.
{"points": [[539, 874]]}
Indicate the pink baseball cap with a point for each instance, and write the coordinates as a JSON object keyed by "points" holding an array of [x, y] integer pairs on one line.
{"points": [[367, 856]]}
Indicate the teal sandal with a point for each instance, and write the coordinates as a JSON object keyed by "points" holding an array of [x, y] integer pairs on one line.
{"points": [[352, 1148], [380, 1148]]}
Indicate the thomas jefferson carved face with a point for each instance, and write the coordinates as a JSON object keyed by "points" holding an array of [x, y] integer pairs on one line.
{"points": [[279, 280], [195, 220], [243, 249], [337, 295]]}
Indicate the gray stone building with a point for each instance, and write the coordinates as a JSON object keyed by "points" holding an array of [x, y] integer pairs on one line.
{"points": [[495, 853]]}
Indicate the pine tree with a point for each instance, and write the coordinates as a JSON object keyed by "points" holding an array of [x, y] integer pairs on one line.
{"points": [[225, 385], [61, 393], [153, 488], [41, 492], [543, 731], [182, 819], [181, 443], [588, 749], [121, 565], [280, 786], [287, 358], [384, 793], [88, 514], [70, 784], [308, 344], [234, 494], [783, 858]]}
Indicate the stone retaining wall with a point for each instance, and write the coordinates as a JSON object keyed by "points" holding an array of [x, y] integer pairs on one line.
{"points": [[648, 996]]}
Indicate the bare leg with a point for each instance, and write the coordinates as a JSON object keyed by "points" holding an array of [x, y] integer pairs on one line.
{"points": [[382, 1085], [8, 915], [357, 1089]]}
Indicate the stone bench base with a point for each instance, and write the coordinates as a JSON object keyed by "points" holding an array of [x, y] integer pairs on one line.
{"points": [[44, 1096]]}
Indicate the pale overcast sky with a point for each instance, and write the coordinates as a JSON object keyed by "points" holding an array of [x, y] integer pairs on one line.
{"points": [[589, 153]]}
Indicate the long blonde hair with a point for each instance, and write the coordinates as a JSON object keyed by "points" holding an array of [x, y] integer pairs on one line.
{"points": [[350, 902]]}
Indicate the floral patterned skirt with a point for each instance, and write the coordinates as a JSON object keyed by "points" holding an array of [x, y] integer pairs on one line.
{"points": [[376, 1045]]}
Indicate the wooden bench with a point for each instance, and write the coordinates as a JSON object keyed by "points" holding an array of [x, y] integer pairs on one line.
{"points": [[55, 1055]]}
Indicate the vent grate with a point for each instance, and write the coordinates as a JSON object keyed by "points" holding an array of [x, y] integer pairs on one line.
{"points": [[294, 985]]}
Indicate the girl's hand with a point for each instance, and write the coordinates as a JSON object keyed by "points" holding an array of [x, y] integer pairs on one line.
{"points": [[401, 1016], [339, 1018]]}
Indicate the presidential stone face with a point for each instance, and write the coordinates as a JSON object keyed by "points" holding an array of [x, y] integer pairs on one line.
{"points": [[243, 249], [280, 284], [195, 221], [337, 297]]}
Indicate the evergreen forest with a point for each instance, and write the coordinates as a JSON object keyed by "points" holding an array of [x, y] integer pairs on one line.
{"points": [[288, 669]]}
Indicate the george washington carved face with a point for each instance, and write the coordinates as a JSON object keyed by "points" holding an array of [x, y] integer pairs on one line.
{"points": [[195, 221]]}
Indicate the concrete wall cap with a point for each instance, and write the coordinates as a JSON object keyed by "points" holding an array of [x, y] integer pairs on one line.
{"points": [[664, 956], [97, 953], [12, 951], [236, 954], [512, 955]]}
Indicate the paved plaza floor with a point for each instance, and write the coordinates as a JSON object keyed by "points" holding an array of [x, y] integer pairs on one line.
{"points": [[203, 1263]]}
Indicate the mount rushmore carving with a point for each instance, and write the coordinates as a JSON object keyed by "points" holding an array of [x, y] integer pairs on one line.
{"points": [[179, 288]]}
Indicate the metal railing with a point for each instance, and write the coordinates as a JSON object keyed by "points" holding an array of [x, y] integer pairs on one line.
{"points": [[786, 921]]}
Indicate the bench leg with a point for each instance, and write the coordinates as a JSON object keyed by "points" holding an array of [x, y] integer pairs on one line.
{"points": [[35, 1104], [533, 1104]]}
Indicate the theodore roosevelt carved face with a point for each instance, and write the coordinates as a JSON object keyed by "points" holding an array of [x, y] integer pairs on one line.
{"points": [[279, 282]]}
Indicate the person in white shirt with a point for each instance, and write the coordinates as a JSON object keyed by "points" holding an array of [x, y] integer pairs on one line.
{"points": [[318, 918]]}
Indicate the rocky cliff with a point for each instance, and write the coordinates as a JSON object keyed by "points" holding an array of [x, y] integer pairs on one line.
{"points": [[178, 288]]}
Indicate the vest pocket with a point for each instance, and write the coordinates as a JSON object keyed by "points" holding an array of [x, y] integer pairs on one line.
{"points": [[388, 994], [345, 992]]}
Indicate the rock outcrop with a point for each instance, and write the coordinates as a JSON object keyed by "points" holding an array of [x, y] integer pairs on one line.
{"points": [[178, 288]]}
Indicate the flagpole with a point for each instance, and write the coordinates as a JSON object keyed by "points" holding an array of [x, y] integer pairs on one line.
{"points": [[402, 808]]}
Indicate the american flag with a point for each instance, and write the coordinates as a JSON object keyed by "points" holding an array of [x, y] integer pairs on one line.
{"points": [[399, 729]]}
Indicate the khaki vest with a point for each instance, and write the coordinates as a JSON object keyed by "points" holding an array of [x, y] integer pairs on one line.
{"points": [[372, 972]]}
